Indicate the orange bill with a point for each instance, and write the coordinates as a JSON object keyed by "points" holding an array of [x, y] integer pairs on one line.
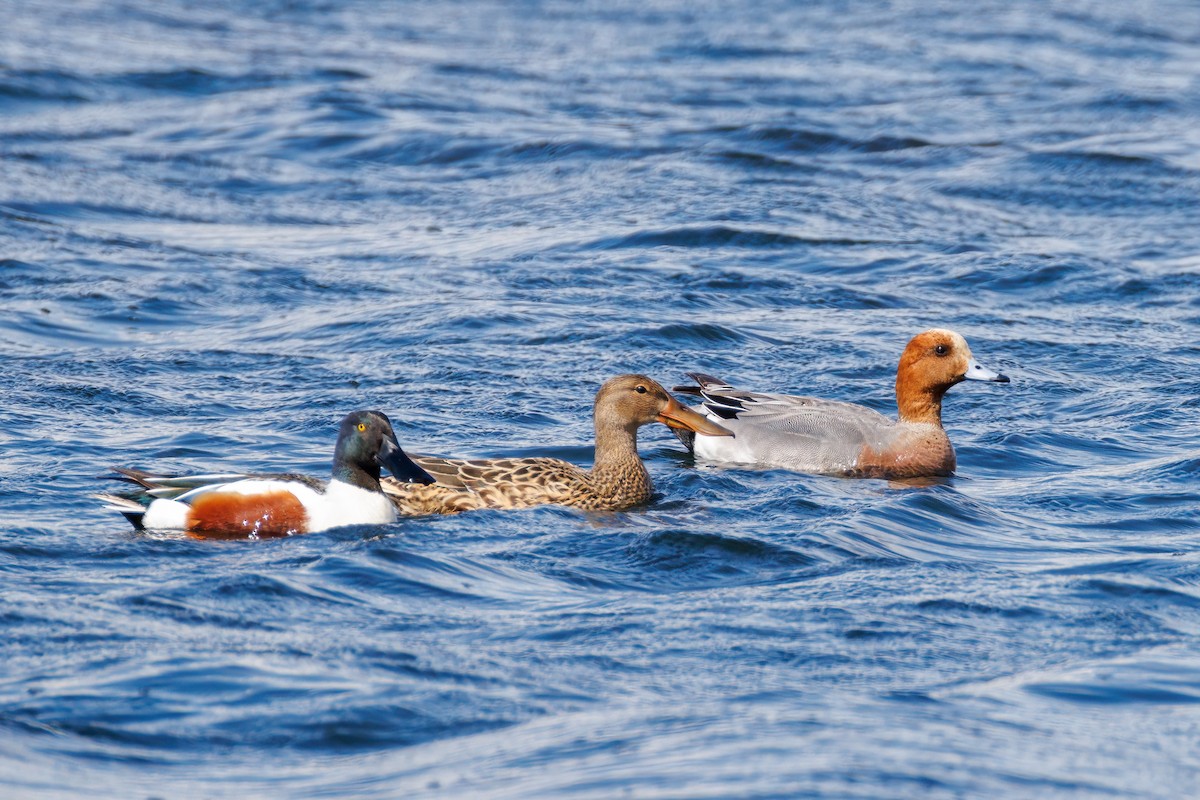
{"points": [[675, 415]]}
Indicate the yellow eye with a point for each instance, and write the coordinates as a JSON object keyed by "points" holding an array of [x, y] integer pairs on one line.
{"points": [[362, 426]]}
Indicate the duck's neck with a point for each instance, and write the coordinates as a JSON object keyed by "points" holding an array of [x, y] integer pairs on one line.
{"points": [[924, 406], [357, 475], [618, 471]]}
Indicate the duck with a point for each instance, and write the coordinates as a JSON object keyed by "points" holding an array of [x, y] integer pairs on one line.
{"points": [[617, 479], [830, 437], [235, 505]]}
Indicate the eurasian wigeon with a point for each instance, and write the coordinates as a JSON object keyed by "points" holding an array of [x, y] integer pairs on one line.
{"points": [[829, 437], [238, 505]]}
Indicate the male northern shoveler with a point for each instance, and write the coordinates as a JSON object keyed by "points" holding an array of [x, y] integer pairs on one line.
{"points": [[280, 505], [618, 479], [833, 438]]}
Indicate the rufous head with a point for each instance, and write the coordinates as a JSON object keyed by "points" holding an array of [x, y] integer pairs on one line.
{"points": [[932, 362]]}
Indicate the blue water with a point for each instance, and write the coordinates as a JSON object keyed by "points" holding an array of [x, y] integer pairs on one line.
{"points": [[224, 225]]}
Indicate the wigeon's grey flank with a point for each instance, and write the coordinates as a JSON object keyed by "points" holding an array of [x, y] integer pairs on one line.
{"points": [[829, 437]]}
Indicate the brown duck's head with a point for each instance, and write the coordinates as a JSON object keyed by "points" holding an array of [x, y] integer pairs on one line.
{"points": [[932, 362], [630, 401]]}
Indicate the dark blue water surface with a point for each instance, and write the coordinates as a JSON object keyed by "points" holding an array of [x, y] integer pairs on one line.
{"points": [[224, 225]]}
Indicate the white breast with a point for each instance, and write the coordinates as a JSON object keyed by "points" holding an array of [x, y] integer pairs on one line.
{"points": [[344, 504]]}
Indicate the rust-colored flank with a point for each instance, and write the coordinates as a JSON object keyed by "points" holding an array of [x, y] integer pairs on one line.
{"points": [[229, 515]]}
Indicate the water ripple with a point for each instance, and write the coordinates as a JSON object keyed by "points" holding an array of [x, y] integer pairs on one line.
{"points": [[224, 225]]}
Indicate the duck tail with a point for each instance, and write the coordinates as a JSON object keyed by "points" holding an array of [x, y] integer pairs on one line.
{"points": [[688, 438], [139, 477], [704, 382], [133, 511], [171, 486], [719, 396]]}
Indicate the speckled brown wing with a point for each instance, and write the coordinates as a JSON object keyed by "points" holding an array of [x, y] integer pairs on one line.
{"points": [[464, 484]]}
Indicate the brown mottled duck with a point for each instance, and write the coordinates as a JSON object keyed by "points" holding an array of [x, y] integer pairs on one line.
{"points": [[617, 479]]}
